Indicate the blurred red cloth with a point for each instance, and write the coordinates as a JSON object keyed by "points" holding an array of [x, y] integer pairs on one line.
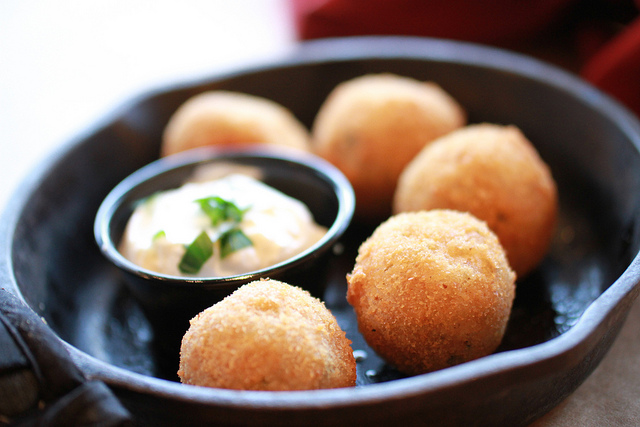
{"points": [[608, 59], [615, 68], [488, 21]]}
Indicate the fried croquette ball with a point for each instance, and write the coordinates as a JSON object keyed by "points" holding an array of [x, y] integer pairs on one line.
{"points": [[267, 335], [431, 289], [370, 127], [494, 173], [222, 117]]}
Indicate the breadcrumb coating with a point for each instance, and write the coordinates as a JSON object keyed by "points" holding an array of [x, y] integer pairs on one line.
{"points": [[267, 335], [494, 173], [431, 290], [222, 117], [371, 126]]}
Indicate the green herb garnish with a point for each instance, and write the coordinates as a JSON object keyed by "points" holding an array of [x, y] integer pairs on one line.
{"points": [[200, 250], [219, 210], [197, 253], [233, 240], [159, 235]]}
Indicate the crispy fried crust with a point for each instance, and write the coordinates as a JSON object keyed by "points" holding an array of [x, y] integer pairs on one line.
{"points": [[431, 290], [267, 335], [221, 117], [495, 173], [370, 127]]}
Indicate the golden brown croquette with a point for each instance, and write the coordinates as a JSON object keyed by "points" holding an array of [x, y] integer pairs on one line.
{"points": [[370, 127], [267, 335], [222, 117], [431, 289], [494, 173]]}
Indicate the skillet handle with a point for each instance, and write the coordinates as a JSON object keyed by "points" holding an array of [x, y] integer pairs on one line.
{"points": [[39, 383]]}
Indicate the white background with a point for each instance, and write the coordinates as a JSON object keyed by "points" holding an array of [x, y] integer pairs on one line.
{"points": [[63, 64]]}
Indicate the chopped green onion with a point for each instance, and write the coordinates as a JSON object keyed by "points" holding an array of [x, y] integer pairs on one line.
{"points": [[201, 249], [219, 209], [159, 235], [197, 253], [233, 240]]}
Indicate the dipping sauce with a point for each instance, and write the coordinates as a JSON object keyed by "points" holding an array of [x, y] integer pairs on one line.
{"points": [[222, 227]]}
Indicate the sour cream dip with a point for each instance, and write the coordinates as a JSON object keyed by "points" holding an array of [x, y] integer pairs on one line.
{"points": [[164, 226]]}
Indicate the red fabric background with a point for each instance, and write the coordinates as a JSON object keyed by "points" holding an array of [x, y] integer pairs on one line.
{"points": [[600, 39]]}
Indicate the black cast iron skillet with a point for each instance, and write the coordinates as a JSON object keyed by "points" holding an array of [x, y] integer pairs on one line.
{"points": [[566, 314]]}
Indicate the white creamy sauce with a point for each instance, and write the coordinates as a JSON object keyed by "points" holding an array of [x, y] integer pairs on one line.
{"points": [[278, 226]]}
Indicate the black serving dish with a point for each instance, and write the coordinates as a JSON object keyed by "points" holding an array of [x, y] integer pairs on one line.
{"points": [[566, 314]]}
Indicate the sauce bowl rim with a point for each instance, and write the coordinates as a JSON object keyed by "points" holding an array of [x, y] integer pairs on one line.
{"points": [[318, 167]]}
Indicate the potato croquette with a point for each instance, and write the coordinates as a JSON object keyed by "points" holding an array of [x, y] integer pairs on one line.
{"points": [[221, 117], [267, 335], [431, 289], [370, 127], [494, 173]]}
